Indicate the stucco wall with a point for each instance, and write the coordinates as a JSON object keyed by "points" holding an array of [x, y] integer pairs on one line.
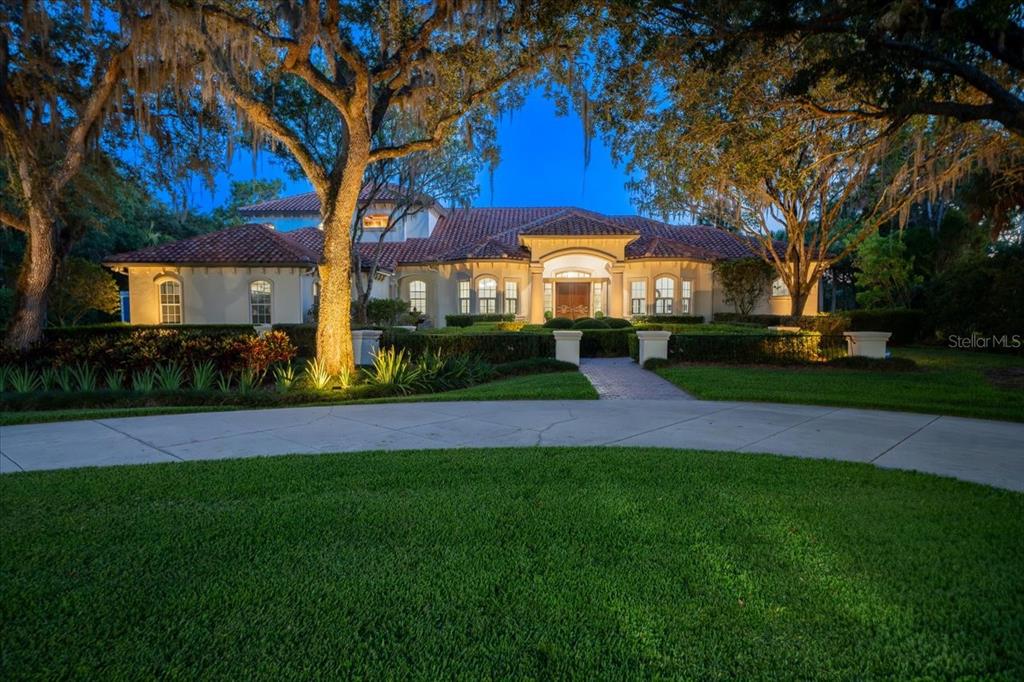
{"points": [[770, 305], [217, 295]]}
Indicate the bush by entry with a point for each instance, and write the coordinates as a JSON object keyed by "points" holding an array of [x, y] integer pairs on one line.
{"points": [[594, 563]]}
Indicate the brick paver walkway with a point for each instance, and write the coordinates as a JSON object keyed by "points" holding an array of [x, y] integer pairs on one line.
{"points": [[623, 379]]}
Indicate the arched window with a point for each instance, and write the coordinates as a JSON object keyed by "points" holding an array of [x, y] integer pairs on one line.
{"points": [[664, 293], [487, 295], [170, 302], [260, 301], [573, 274], [418, 295]]}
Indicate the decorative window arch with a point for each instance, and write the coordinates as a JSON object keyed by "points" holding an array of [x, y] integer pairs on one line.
{"points": [[487, 295], [261, 301], [664, 294], [573, 274], [169, 293], [418, 295]]}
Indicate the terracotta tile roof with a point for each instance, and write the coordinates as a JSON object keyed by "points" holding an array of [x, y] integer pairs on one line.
{"points": [[460, 234], [308, 203], [249, 243]]}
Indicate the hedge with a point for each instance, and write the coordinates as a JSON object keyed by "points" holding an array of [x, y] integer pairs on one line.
{"points": [[304, 336], [590, 323], [469, 320], [494, 348], [559, 323], [904, 324], [671, 319], [750, 349], [605, 343]]}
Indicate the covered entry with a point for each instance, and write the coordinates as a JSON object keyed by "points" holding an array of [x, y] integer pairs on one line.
{"points": [[572, 299]]}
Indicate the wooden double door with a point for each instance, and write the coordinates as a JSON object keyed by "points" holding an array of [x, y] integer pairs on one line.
{"points": [[572, 299]]}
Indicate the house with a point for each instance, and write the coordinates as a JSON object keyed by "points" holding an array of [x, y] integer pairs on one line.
{"points": [[565, 261]]}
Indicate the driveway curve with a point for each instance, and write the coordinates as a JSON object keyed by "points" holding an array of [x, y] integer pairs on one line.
{"points": [[976, 450]]}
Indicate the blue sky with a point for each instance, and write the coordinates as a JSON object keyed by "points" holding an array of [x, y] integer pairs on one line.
{"points": [[541, 165]]}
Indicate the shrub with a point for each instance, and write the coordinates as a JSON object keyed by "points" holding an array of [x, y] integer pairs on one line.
{"points": [[144, 381], [114, 380], [743, 281], [559, 323], [263, 351], [617, 323], [85, 377], [905, 325], [655, 363], [875, 364], [463, 320], [302, 335], [284, 377], [671, 319], [385, 311], [393, 369], [762, 320], [533, 366], [605, 343], [494, 348], [439, 372], [203, 376], [170, 376], [589, 323], [511, 326], [24, 379], [316, 375], [753, 349]]}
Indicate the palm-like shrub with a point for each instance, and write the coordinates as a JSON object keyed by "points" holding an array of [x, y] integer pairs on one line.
{"points": [[224, 382], [5, 376], [203, 376], [64, 379], [114, 379], [85, 377], [345, 377], [316, 375], [170, 376], [144, 381], [247, 381], [392, 368], [48, 378], [284, 377], [24, 380]]}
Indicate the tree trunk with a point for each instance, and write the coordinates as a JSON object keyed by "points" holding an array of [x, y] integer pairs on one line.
{"points": [[38, 268], [334, 324], [797, 298]]}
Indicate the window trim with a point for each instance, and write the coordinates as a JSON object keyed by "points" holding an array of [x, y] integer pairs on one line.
{"points": [[514, 300], [465, 302], [633, 308], [269, 304], [664, 305], [489, 302], [412, 306], [160, 300], [685, 302]]}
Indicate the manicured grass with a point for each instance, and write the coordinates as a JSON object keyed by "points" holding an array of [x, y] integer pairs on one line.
{"points": [[950, 382], [596, 563], [550, 386]]}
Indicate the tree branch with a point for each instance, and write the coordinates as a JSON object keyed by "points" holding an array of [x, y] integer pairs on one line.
{"points": [[12, 221]]}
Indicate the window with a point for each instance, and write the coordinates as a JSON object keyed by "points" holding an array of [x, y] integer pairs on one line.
{"points": [[464, 306], [779, 288], [512, 297], [638, 297], [418, 295], [170, 303], [487, 296], [685, 296], [376, 221], [664, 293], [574, 274], [598, 297], [549, 297], [260, 301]]}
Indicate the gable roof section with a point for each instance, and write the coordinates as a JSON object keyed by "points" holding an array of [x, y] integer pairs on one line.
{"points": [[573, 222], [251, 243]]}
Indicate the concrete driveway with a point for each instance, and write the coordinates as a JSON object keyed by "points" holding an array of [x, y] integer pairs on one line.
{"points": [[988, 452]]}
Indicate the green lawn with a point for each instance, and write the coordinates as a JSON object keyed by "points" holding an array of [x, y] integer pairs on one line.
{"points": [[550, 386], [950, 382], [597, 563]]}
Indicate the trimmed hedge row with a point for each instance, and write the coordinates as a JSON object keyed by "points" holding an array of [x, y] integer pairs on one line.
{"points": [[469, 320], [905, 325], [750, 349], [494, 348], [671, 319], [605, 343]]}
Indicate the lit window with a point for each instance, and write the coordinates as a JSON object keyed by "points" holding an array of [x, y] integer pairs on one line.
{"points": [[549, 297], [512, 298], [779, 288], [260, 301], [638, 297], [664, 293], [375, 221], [464, 305], [574, 274], [487, 296], [686, 296], [418, 295], [598, 297], [170, 303]]}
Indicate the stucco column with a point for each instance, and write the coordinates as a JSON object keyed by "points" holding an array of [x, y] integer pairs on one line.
{"points": [[617, 294], [536, 294]]}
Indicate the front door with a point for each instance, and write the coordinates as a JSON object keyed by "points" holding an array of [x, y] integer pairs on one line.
{"points": [[572, 299]]}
